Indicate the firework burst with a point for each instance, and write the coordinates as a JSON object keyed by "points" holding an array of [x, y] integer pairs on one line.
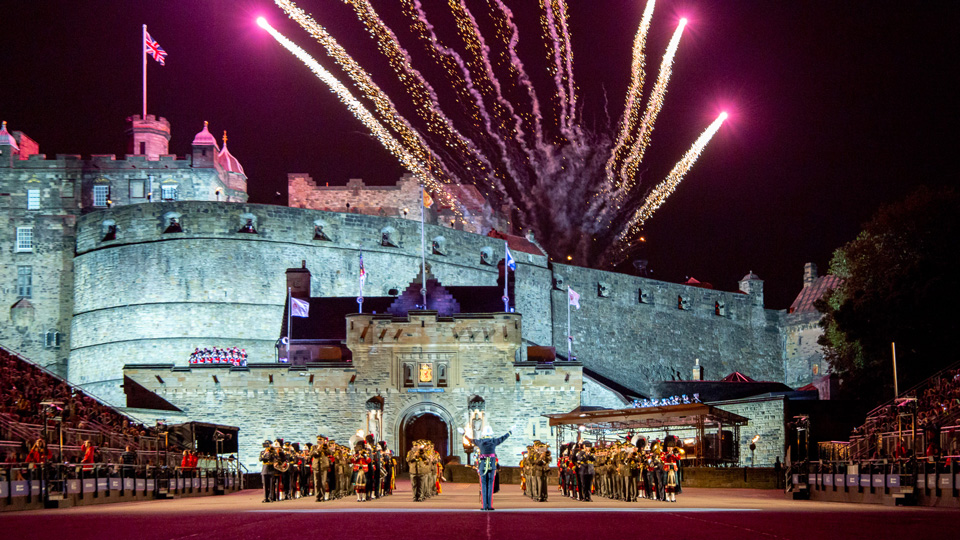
{"points": [[576, 188]]}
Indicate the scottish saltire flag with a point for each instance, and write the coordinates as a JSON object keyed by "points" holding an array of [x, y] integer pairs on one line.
{"points": [[299, 308], [511, 264], [154, 49], [573, 297]]}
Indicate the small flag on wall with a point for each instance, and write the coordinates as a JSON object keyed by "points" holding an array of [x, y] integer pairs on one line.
{"points": [[299, 308], [574, 297]]}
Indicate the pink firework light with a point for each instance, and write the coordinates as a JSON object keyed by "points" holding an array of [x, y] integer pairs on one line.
{"points": [[576, 187]]}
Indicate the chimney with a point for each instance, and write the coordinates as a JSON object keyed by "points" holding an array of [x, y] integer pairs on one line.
{"points": [[809, 274], [697, 371], [298, 280]]}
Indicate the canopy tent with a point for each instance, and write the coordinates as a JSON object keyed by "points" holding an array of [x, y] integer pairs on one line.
{"points": [[613, 424]]}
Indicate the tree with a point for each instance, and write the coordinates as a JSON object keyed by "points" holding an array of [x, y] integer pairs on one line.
{"points": [[899, 285]]}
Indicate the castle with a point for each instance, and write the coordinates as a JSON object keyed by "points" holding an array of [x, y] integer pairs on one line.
{"points": [[137, 261]]}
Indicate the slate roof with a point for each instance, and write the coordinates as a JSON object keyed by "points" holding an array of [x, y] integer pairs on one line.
{"points": [[810, 294]]}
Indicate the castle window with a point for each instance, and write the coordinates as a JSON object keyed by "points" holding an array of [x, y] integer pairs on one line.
{"points": [[319, 233], [24, 281], [137, 190], [100, 196], [389, 237], [33, 199], [643, 296], [24, 239], [408, 375], [680, 301], [109, 231], [719, 308], [51, 340], [168, 193], [799, 341], [442, 375], [66, 188], [816, 369], [248, 227], [143, 148], [173, 226]]}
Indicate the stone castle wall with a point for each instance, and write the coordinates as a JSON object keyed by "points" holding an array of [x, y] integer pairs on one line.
{"points": [[33, 325], [630, 329], [213, 286], [803, 357], [298, 409]]}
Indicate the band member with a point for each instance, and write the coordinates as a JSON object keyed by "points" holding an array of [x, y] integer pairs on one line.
{"points": [[320, 463], [419, 463], [586, 459], [487, 463], [268, 457]]}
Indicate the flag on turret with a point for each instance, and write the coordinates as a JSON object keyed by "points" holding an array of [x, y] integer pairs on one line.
{"points": [[154, 49]]}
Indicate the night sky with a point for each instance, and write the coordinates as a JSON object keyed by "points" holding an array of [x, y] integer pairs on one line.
{"points": [[837, 107]]}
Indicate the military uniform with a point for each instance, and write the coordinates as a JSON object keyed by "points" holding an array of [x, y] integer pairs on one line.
{"points": [[320, 463], [267, 472], [419, 468]]}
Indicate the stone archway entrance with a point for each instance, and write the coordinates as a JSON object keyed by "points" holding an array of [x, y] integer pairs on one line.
{"points": [[430, 427]]}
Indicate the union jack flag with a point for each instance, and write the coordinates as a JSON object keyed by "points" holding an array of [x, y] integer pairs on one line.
{"points": [[154, 49]]}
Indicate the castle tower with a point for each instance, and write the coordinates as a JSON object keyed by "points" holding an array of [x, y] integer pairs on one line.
{"points": [[9, 150], [204, 148], [234, 177], [148, 136], [752, 284]]}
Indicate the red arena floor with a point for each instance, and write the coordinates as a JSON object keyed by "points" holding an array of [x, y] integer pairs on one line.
{"points": [[700, 513]]}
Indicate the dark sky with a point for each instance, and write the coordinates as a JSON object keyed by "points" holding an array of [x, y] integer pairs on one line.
{"points": [[837, 107]]}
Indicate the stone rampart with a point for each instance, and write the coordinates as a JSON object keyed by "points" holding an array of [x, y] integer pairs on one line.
{"points": [[211, 285]]}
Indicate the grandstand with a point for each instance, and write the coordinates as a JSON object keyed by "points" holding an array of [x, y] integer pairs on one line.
{"points": [[36, 405], [906, 451]]}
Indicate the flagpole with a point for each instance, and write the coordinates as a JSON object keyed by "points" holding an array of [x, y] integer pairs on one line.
{"points": [[423, 250], [569, 337], [143, 50], [289, 319], [506, 276], [360, 299]]}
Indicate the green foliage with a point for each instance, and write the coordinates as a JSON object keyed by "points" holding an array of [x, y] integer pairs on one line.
{"points": [[899, 286]]}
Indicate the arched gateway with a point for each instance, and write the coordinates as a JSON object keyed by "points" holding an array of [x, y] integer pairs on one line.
{"points": [[428, 421]]}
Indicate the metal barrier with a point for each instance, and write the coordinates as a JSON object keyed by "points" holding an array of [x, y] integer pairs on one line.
{"points": [[46, 484], [904, 479]]}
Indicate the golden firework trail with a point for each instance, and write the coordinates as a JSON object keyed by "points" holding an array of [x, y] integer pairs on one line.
{"points": [[654, 104], [658, 195], [631, 111], [354, 106], [574, 186]]}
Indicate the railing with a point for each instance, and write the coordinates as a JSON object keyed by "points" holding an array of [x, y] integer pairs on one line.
{"points": [[932, 477], [53, 482]]}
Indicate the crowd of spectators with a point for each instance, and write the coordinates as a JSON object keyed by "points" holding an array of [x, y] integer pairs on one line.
{"points": [[215, 355], [24, 388], [937, 409]]}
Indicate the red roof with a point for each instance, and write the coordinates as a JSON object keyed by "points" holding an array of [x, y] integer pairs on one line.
{"points": [[811, 293], [517, 243], [736, 376], [694, 282], [227, 161], [807, 388]]}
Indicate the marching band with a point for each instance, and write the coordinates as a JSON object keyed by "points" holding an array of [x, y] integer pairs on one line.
{"points": [[327, 470]]}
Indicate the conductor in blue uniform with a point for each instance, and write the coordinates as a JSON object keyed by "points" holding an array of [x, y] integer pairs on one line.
{"points": [[487, 462]]}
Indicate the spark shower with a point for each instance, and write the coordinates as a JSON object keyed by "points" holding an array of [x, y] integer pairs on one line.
{"points": [[526, 149]]}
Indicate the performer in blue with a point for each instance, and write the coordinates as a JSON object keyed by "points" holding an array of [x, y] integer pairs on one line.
{"points": [[487, 462]]}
